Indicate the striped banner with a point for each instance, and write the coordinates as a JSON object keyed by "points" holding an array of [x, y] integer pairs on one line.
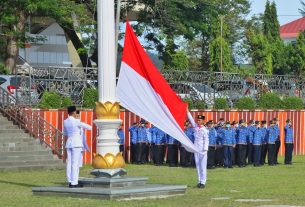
{"points": [[56, 118]]}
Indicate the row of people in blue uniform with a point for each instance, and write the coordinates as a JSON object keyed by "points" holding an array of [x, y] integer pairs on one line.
{"points": [[229, 143], [152, 144], [235, 143]]}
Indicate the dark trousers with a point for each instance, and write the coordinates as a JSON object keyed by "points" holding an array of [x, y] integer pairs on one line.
{"points": [[152, 152], [235, 156], [146, 153], [277, 149], [122, 149], [271, 154], [288, 152], [172, 155], [242, 151], [159, 154], [257, 155], [250, 153], [141, 155], [219, 156], [211, 157], [227, 156], [264, 150], [133, 153], [185, 157]]}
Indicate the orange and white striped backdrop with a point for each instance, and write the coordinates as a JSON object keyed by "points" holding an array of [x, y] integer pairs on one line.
{"points": [[56, 117]]}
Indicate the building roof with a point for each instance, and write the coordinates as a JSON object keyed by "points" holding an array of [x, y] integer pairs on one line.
{"points": [[292, 29]]}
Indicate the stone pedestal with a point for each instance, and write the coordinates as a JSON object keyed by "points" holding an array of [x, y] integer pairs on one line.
{"points": [[114, 188]]}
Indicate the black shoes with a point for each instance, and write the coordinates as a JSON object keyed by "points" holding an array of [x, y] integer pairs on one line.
{"points": [[76, 186], [199, 185]]}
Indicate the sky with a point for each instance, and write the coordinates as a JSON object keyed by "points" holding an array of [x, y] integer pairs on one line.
{"points": [[287, 10]]}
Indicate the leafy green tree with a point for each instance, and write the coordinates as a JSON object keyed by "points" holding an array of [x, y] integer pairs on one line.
{"points": [[271, 25], [215, 55], [179, 61], [297, 58], [14, 15], [260, 52]]}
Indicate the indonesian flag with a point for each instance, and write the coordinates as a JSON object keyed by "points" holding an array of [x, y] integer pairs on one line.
{"points": [[142, 90]]}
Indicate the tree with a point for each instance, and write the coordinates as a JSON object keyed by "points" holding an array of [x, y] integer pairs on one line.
{"points": [[14, 14], [302, 10], [271, 26], [196, 20], [260, 52], [179, 61], [297, 58], [215, 55]]}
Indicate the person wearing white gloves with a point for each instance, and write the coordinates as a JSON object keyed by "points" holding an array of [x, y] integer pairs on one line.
{"points": [[201, 141]]}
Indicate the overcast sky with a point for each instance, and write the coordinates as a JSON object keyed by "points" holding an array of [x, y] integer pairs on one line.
{"points": [[287, 10]]}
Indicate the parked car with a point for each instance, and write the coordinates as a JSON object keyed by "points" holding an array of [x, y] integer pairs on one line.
{"points": [[196, 92]]}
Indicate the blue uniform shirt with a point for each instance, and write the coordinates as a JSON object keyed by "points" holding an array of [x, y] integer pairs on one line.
{"points": [[142, 134], [264, 132], [153, 130], [149, 135], [272, 134], [161, 136], [212, 136], [190, 133], [227, 136], [277, 131], [171, 140], [121, 136], [242, 135], [133, 134], [251, 130], [258, 136], [288, 134]]}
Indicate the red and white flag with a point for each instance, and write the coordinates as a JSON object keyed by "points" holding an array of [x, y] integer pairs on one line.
{"points": [[142, 90]]}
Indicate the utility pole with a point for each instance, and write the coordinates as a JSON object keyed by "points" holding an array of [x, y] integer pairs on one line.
{"points": [[221, 28]]}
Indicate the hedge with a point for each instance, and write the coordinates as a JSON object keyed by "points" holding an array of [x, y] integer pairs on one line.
{"points": [[50, 100], [245, 103], [293, 103], [270, 101], [221, 103], [90, 97]]}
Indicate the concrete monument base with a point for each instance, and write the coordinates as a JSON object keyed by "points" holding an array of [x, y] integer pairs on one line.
{"points": [[114, 188]]}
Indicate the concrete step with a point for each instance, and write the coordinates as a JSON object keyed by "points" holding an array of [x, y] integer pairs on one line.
{"points": [[22, 148], [30, 162], [8, 126], [20, 139], [2, 121], [29, 157], [42, 151], [32, 167], [10, 131], [19, 144], [15, 135]]}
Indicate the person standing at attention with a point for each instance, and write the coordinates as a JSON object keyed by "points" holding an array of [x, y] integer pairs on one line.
{"points": [[73, 129]]}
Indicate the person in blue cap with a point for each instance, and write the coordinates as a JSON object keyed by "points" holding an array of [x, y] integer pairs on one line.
{"points": [[289, 140], [172, 151], [277, 140], [133, 140], [160, 140], [212, 144], [272, 136], [242, 134], [264, 148], [251, 130], [121, 138], [185, 156], [141, 142], [257, 144], [228, 141]]}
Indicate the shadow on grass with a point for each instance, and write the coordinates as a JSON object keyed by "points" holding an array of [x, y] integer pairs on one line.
{"points": [[19, 184]]}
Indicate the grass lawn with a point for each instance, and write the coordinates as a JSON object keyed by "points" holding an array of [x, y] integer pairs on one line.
{"points": [[285, 185]]}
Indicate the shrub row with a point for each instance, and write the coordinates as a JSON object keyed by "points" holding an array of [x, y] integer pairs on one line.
{"points": [[53, 100], [266, 101]]}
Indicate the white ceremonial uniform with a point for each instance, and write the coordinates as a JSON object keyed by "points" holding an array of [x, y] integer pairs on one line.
{"points": [[73, 130], [201, 135], [85, 148]]}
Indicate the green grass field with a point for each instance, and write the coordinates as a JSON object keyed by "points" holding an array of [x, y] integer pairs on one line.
{"points": [[285, 185]]}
